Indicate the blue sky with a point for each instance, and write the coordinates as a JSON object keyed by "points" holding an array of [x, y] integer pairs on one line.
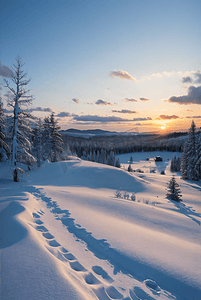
{"points": [[142, 59]]}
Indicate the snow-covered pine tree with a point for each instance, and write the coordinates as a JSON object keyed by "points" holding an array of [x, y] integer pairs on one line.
{"points": [[102, 157], [111, 159], [97, 156], [188, 160], [198, 158], [117, 163], [37, 142], [56, 140], [174, 192], [46, 139], [52, 140], [130, 168], [20, 129], [175, 164], [4, 148], [94, 156]]}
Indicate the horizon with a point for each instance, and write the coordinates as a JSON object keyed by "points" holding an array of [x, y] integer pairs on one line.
{"points": [[112, 65]]}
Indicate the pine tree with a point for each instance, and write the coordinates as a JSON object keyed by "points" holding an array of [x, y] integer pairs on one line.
{"points": [[102, 157], [20, 126], [117, 163], [198, 158], [111, 159], [130, 168], [188, 161], [175, 164], [46, 139], [174, 192], [52, 140], [37, 142]]}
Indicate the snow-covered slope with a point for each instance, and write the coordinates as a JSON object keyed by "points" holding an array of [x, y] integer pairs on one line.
{"points": [[64, 235]]}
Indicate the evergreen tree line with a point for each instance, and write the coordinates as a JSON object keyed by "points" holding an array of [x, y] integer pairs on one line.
{"points": [[37, 140], [121, 144], [102, 157], [191, 157]]}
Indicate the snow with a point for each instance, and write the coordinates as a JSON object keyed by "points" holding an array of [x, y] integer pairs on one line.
{"points": [[64, 234]]}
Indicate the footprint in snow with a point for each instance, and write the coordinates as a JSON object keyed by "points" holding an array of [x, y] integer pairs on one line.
{"points": [[64, 250], [35, 215], [41, 228], [152, 285], [53, 243], [76, 266], [39, 222], [139, 294], [69, 256], [99, 271], [113, 293], [91, 279], [48, 235], [101, 293], [56, 253]]}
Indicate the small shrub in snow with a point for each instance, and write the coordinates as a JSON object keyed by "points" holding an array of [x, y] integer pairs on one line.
{"points": [[133, 197], [126, 195], [139, 171], [118, 194]]}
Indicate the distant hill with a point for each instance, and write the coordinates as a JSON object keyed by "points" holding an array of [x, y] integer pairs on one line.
{"points": [[93, 132]]}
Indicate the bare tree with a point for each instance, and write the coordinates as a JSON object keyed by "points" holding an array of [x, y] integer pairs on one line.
{"points": [[4, 148], [20, 99]]}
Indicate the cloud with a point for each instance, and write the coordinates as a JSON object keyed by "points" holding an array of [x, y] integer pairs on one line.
{"points": [[161, 75], [144, 99], [122, 74], [194, 117], [99, 119], [102, 102], [76, 100], [166, 117], [125, 111], [63, 114], [193, 96], [198, 76], [142, 119], [187, 79], [131, 100], [5, 71], [95, 118], [47, 109]]}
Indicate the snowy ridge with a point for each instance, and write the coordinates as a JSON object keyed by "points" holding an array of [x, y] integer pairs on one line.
{"points": [[66, 236]]}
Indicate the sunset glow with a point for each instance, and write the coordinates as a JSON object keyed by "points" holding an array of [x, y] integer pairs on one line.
{"points": [[114, 75]]}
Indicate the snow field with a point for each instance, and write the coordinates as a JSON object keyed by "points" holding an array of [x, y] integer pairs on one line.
{"points": [[67, 237]]}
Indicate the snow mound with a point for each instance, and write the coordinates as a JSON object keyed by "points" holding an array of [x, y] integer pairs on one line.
{"points": [[84, 173]]}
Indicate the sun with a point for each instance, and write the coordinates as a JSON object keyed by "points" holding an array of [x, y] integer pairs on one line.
{"points": [[162, 127]]}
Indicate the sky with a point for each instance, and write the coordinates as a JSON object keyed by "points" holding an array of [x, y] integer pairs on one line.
{"points": [[119, 65]]}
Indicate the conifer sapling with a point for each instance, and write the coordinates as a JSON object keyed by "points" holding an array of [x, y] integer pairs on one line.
{"points": [[174, 192]]}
